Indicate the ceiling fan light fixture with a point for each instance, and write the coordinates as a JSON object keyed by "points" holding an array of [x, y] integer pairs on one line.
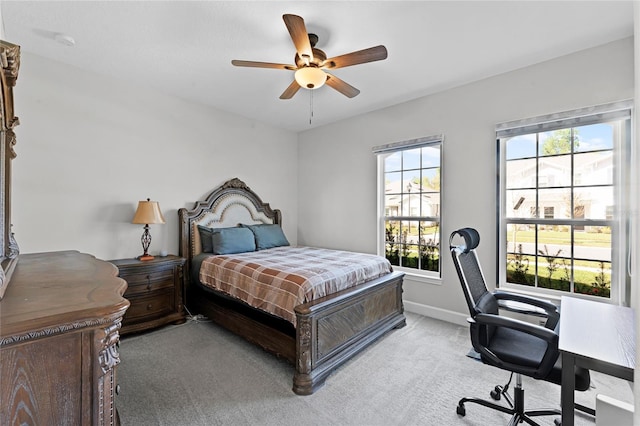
{"points": [[310, 77]]}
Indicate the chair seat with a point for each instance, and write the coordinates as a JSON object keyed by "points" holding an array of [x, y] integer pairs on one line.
{"points": [[519, 348]]}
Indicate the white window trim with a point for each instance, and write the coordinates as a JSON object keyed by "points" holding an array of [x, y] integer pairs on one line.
{"points": [[381, 151]]}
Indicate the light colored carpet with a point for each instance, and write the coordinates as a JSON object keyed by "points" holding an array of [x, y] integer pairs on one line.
{"points": [[200, 374]]}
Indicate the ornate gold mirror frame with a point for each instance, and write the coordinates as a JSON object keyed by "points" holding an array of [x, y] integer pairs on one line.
{"points": [[10, 62]]}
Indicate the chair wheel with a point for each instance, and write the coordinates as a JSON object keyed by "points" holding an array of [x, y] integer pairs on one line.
{"points": [[557, 422], [461, 410], [496, 394]]}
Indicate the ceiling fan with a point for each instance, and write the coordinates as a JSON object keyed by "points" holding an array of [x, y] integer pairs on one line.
{"points": [[311, 63]]}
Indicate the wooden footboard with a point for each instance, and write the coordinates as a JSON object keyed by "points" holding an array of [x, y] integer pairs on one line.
{"points": [[333, 329]]}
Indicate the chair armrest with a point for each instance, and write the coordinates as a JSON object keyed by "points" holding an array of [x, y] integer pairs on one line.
{"points": [[540, 332], [550, 310], [548, 336]]}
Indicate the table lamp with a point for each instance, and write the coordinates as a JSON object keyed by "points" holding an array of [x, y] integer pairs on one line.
{"points": [[147, 212]]}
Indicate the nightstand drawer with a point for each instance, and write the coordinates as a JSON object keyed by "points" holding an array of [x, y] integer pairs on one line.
{"points": [[139, 285], [148, 307], [144, 277]]}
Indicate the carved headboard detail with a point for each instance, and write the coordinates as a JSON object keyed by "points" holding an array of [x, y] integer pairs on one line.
{"points": [[231, 203]]}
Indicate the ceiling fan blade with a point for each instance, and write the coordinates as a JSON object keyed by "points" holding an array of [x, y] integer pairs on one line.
{"points": [[298, 32], [345, 88], [371, 54], [256, 64], [290, 91]]}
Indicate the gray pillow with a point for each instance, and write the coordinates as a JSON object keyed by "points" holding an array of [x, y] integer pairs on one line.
{"points": [[205, 238], [232, 240], [268, 235]]}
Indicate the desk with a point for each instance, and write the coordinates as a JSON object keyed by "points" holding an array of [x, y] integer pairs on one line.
{"points": [[597, 336]]}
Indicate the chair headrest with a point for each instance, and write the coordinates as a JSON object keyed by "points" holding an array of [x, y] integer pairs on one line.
{"points": [[471, 238]]}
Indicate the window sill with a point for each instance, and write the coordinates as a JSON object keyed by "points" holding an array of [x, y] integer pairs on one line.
{"points": [[553, 298], [419, 277]]}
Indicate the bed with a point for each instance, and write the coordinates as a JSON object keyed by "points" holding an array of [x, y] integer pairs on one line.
{"points": [[323, 334]]}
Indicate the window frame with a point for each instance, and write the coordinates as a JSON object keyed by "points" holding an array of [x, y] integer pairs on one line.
{"points": [[382, 152], [620, 228]]}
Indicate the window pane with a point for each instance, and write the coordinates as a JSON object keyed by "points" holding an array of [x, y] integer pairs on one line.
{"points": [[431, 204], [431, 156], [593, 203], [429, 246], [593, 278], [409, 248], [392, 205], [523, 146], [411, 159], [393, 162], [393, 183], [431, 179], [595, 137], [594, 168], [392, 242], [554, 171], [556, 142], [411, 181], [556, 200], [521, 254], [554, 255], [521, 203], [521, 173], [411, 198], [593, 243]]}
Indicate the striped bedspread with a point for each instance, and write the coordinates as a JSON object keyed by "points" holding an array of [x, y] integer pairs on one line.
{"points": [[278, 279]]}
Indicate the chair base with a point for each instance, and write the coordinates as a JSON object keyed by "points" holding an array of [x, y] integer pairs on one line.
{"points": [[515, 408], [517, 416]]}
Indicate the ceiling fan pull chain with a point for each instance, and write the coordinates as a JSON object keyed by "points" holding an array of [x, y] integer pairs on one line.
{"points": [[310, 106]]}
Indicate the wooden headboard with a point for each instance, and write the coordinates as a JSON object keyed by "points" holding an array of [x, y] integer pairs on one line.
{"points": [[231, 203]]}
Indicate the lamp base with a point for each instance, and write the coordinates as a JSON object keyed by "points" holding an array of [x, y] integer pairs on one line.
{"points": [[145, 257]]}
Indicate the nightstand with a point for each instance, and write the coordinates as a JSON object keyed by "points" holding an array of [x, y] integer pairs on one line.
{"points": [[155, 289]]}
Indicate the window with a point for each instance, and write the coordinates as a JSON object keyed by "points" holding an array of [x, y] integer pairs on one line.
{"points": [[573, 169], [409, 195]]}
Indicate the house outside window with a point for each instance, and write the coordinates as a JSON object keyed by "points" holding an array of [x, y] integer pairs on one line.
{"points": [[409, 176], [572, 167]]}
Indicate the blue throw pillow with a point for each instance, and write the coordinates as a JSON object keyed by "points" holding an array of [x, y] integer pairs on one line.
{"points": [[232, 240], [268, 236]]}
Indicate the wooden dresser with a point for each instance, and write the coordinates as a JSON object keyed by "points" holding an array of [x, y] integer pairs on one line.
{"points": [[59, 322], [154, 288]]}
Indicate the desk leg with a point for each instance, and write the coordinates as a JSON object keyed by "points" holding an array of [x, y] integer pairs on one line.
{"points": [[567, 393]]}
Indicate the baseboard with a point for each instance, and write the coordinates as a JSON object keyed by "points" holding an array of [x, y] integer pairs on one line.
{"points": [[437, 313]]}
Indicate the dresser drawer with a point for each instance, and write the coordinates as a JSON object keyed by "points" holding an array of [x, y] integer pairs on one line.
{"points": [[147, 307], [147, 283]]}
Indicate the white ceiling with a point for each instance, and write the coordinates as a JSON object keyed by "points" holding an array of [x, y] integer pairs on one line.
{"points": [[186, 48]]}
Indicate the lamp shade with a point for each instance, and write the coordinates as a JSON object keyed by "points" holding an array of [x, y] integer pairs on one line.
{"points": [[148, 212], [310, 77]]}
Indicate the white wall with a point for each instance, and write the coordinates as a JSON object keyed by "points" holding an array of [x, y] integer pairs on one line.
{"points": [[337, 187], [89, 147]]}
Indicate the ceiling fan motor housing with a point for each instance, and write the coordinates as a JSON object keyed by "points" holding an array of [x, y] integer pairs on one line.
{"points": [[318, 58]]}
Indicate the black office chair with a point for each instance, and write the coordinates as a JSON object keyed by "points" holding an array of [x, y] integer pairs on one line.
{"points": [[510, 344]]}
